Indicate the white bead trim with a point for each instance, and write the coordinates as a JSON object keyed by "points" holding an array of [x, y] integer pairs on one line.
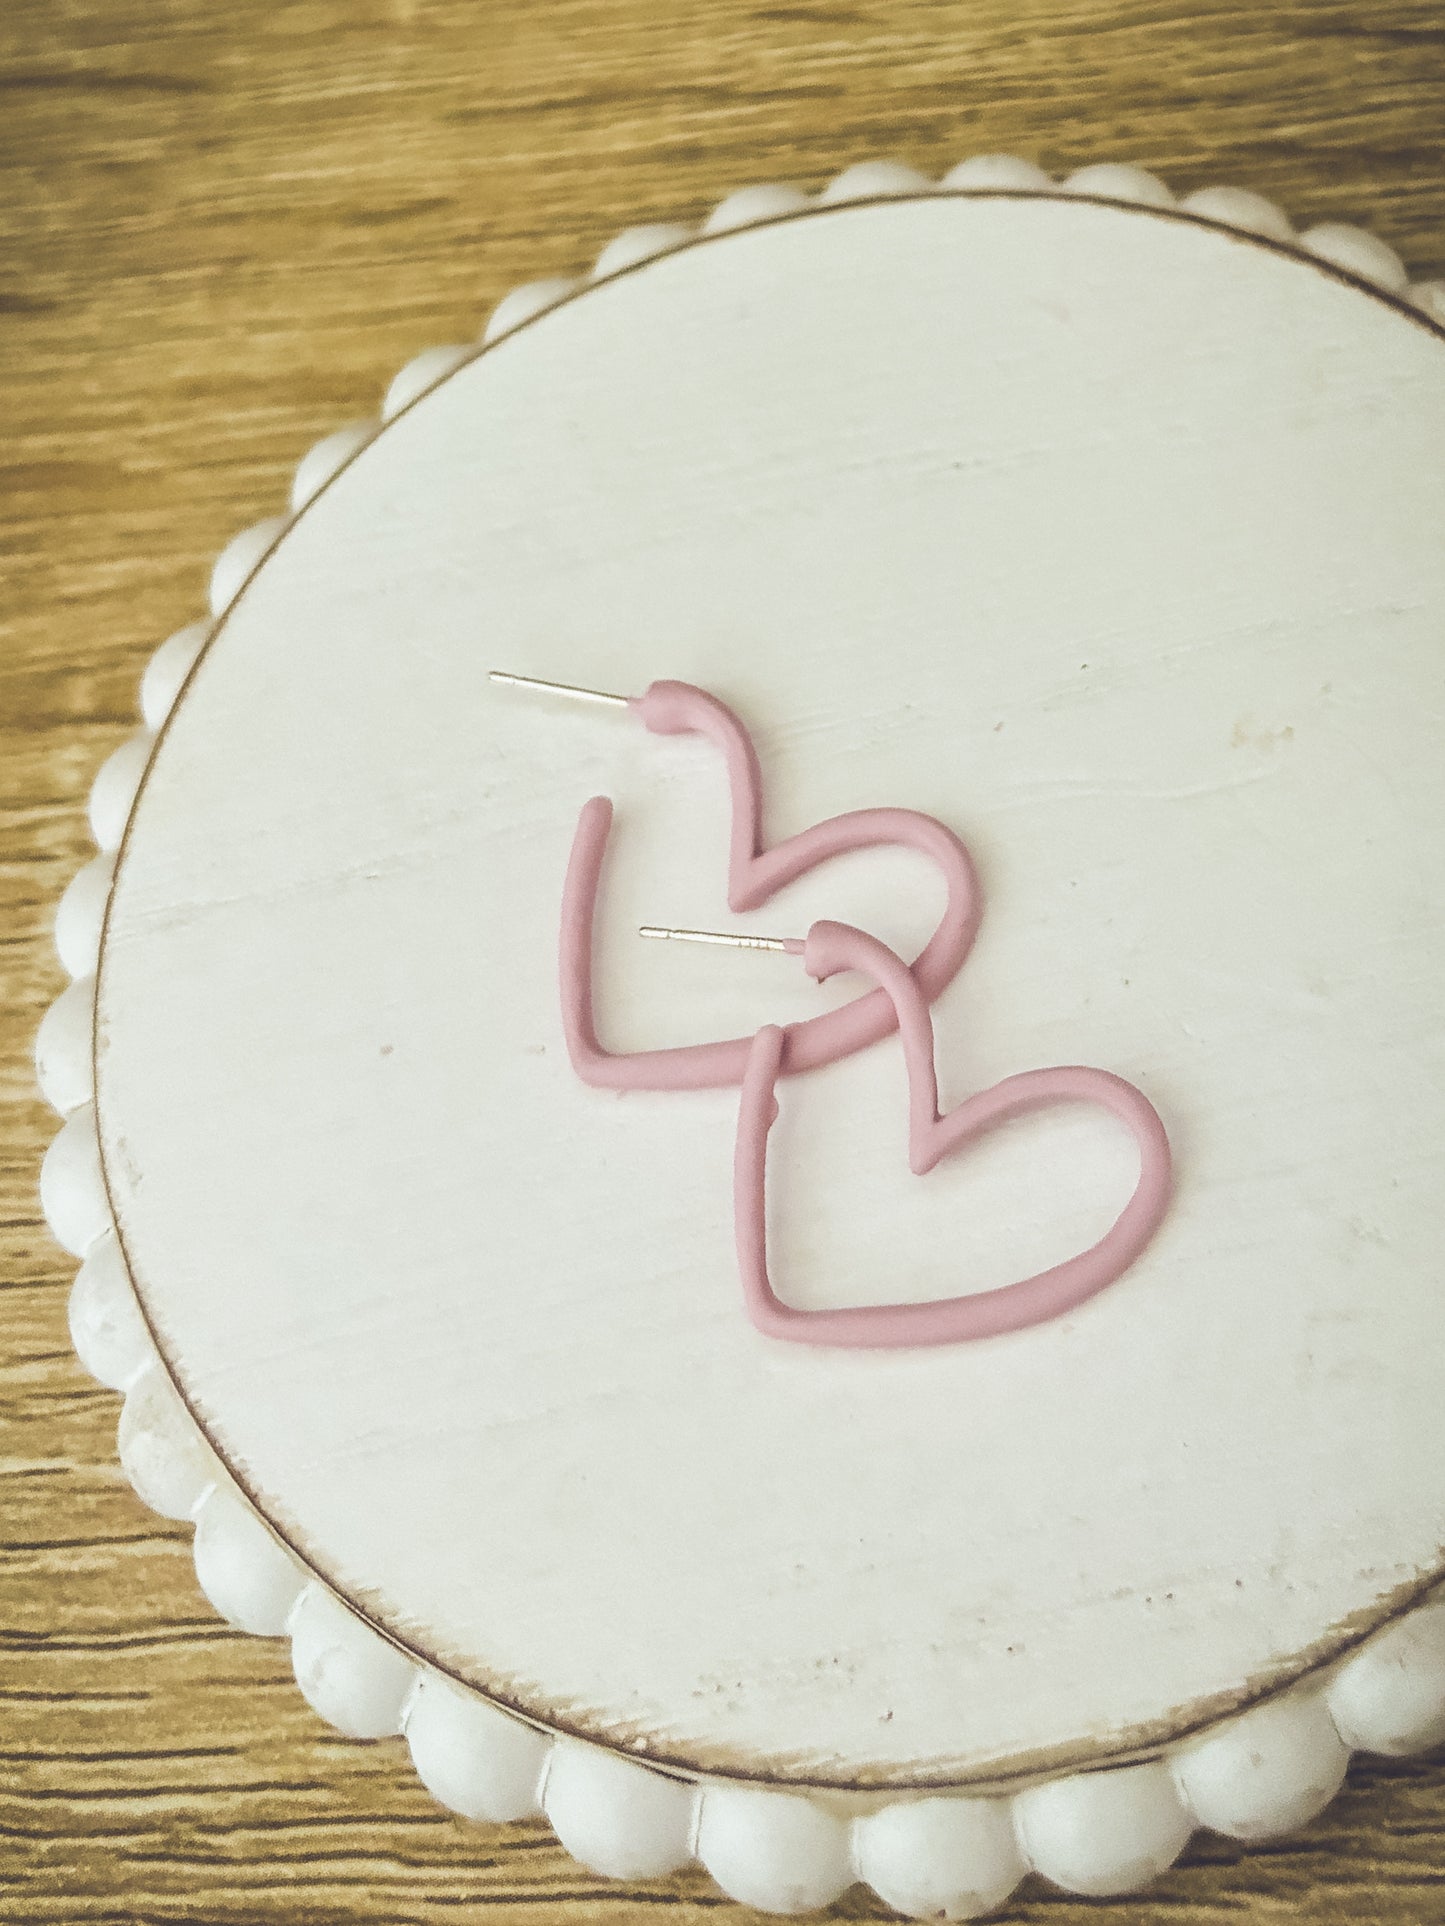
{"points": [[474, 1759], [1267, 1772], [246, 1572], [525, 304], [869, 179], [347, 1672], [63, 1065], [954, 1855], [1357, 252], [239, 560], [637, 244], [167, 670], [423, 371], [1238, 207], [752, 204], [1111, 181], [81, 913], [326, 458], [114, 790], [1005, 172]]}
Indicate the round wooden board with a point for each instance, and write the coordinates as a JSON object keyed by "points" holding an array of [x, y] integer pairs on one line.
{"points": [[1112, 539]]}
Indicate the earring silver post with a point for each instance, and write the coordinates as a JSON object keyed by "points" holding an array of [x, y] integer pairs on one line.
{"points": [[510, 681], [783, 945]]}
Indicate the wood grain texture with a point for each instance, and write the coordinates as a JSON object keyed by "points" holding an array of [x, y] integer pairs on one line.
{"points": [[223, 230]]}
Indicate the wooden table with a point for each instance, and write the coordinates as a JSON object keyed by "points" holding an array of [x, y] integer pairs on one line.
{"points": [[224, 228]]}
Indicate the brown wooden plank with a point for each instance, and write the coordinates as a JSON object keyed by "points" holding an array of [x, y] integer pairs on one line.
{"points": [[221, 230]]}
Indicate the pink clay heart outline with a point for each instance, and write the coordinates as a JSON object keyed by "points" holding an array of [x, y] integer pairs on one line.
{"points": [[831, 947], [756, 872]]}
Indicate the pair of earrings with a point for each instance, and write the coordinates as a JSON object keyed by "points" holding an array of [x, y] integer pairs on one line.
{"points": [[900, 1000]]}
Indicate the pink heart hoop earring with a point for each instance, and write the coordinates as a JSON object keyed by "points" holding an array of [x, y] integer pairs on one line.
{"points": [[829, 949], [756, 871]]}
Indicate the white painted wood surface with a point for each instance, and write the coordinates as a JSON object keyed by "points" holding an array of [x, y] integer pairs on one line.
{"points": [[1111, 539]]}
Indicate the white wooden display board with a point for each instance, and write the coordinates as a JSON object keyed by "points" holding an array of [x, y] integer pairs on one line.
{"points": [[1113, 539]]}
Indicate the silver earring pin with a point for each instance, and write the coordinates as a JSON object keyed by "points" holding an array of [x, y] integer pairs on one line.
{"points": [[782, 945], [535, 682]]}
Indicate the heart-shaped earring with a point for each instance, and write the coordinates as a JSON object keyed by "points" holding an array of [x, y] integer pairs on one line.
{"points": [[756, 871], [829, 949]]}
